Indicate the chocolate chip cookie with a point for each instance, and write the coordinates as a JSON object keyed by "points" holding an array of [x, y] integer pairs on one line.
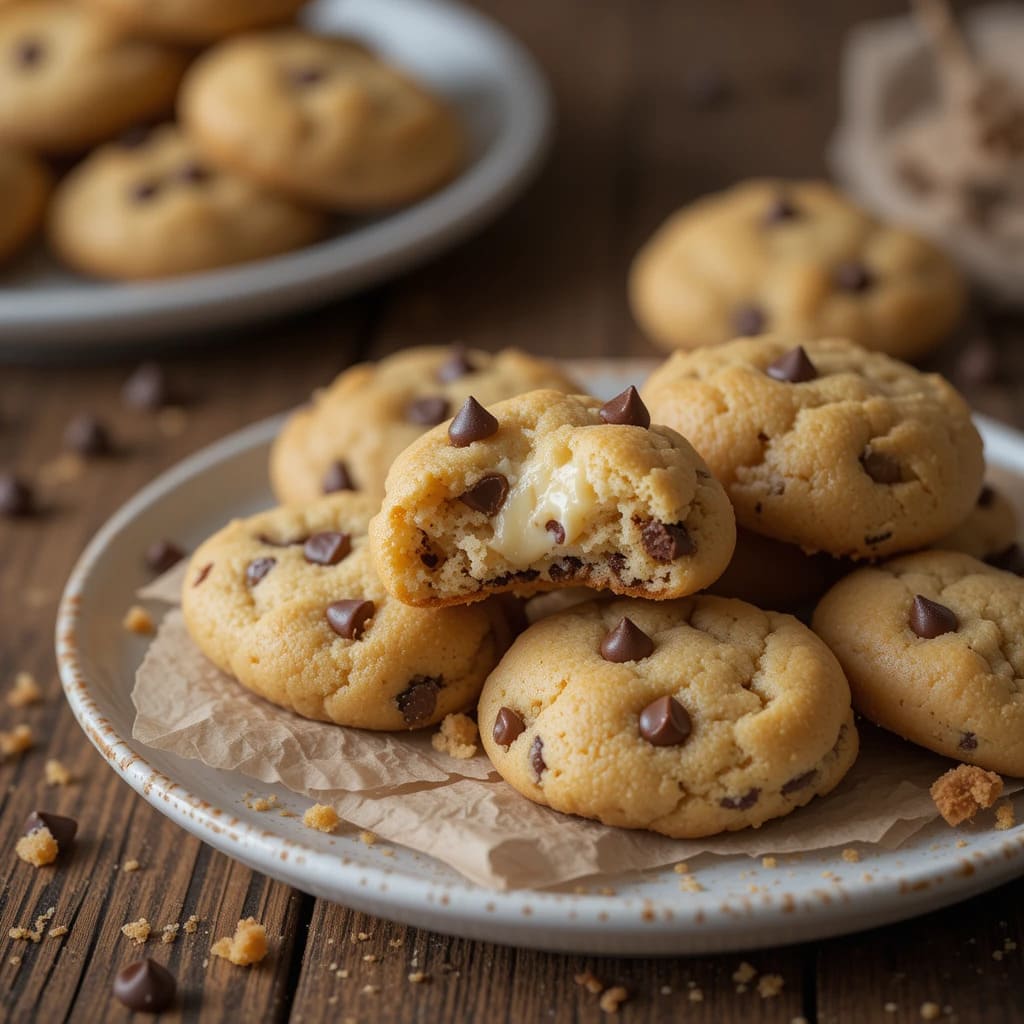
{"points": [[24, 187], [933, 646], [353, 430], [989, 530], [289, 603], [687, 717], [826, 445], [545, 491], [795, 258]]}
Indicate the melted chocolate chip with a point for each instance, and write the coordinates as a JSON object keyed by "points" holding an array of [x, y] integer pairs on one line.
{"points": [[162, 555], [882, 468], [145, 986], [665, 542], [257, 569], [348, 618], [1009, 560], [487, 495], [968, 741], [87, 436], [427, 412], [16, 497], [740, 803], [536, 755], [418, 700], [986, 497], [853, 277], [337, 478], [799, 782], [929, 619], [62, 829], [749, 320], [780, 210], [472, 423], [327, 548], [555, 528], [567, 567], [146, 388], [626, 409], [626, 642], [508, 726], [458, 365], [793, 367], [202, 574], [665, 723]]}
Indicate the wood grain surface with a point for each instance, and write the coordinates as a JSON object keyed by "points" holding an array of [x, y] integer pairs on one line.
{"points": [[548, 276]]}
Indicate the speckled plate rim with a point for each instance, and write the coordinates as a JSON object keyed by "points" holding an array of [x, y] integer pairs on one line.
{"points": [[698, 922]]}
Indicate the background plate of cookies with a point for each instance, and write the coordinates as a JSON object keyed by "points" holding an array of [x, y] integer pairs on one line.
{"points": [[165, 174]]}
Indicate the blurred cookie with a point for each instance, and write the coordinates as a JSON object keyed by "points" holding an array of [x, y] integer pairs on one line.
{"points": [[155, 209], [320, 118], [24, 186], [794, 258], [69, 79], [989, 529], [825, 445], [354, 429]]}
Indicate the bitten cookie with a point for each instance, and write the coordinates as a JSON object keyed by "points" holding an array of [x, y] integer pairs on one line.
{"points": [[686, 717], [795, 258], [194, 21], [545, 491], [154, 208], [933, 646], [321, 118], [70, 79], [989, 530], [356, 427], [827, 445], [24, 187], [288, 602]]}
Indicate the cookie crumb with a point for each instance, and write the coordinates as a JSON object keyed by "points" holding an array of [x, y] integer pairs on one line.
{"points": [[690, 884], [1004, 816], [961, 843], [169, 933], [138, 620], [665, 990], [262, 803], [57, 931], [418, 977], [370, 958], [798, 1020], [370, 990], [964, 790], [16, 742], [695, 995], [770, 985], [891, 1008], [589, 981], [611, 999], [744, 973], [131, 865], [191, 925], [681, 868], [931, 1011], [367, 838], [35, 933], [37, 848], [997, 954], [137, 931], [769, 862], [850, 855], [56, 774], [247, 946], [457, 737], [321, 817], [14, 961], [24, 691]]}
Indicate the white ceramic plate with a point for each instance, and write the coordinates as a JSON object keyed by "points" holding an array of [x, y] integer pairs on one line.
{"points": [[504, 104], [98, 660]]}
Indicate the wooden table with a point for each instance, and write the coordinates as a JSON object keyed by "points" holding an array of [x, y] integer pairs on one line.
{"points": [[548, 276]]}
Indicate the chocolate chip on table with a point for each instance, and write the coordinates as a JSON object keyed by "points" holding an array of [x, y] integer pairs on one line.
{"points": [[427, 412], [1010, 559], [16, 497], [780, 210], [348, 618], [555, 528], [665, 723], [62, 829], [626, 642], [327, 548], [257, 569], [87, 435], [707, 87], [457, 365], [793, 367], [626, 409], [508, 726], [749, 320], [472, 423], [882, 468], [665, 542], [968, 741], [28, 52], [487, 495], [798, 782], [202, 574], [146, 388], [162, 555], [853, 276], [337, 478], [536, 756], [145, 986], [418, 700], [740, 803], [929, 619]]}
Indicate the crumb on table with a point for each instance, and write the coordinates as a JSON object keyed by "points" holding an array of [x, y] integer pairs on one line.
{"points": [[1004, 816], [770, 985], [24, 691], [744, 973], [57, 931], [418, 977], [769, 862], [16, 742], [138, 620], [262, 803], [35, 933], [169, 933], [247, 946], [56, 774], [612, 998], [457, 737], [131, 865], [37, 848], [964, 790], [367, 838], [589, 981], [191, 925], [850, 855], [137, 931], [321, 817], [930, 1011]]}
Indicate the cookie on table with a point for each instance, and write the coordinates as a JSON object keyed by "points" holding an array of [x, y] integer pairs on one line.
{"points": [[195, 21], [321, 118], [989, 530], [687, 717], [826, 445], [24, 188], [356, 427], [70, 79], [795, 258], [933, 647], [152, 207], [545, 491], [288, 603]]}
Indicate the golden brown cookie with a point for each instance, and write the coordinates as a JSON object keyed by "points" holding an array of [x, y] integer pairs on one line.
{"points": [[24, 187]]}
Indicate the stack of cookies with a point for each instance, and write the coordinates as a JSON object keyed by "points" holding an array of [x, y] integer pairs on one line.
{"points": [[280, 132]]}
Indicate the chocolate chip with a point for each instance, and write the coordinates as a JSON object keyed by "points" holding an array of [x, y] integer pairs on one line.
{"points": [[626, 409], [143, 191], [472, 423], [986, 496], [665, 723], [146, 388], [145, 986], [555, 528], [337, 478], [427, 412], [929, 619], [257, 569], [87, 435], [458, 365], [203, 573], [853, 277], [536, 755], [968, 741], [28, 52], [327, 548], [749, 320], [16, 497], [707, 87], [487, 495], [62, 829], [799, 782], [508, 726], [793, 367], [305, 76], [626, 642], [419, 699], [882, 468], [192, 173], [1011, 559], [740, 803], [162, 555], [780, 210], [565, 567], [665, 542], [348, 618]]}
